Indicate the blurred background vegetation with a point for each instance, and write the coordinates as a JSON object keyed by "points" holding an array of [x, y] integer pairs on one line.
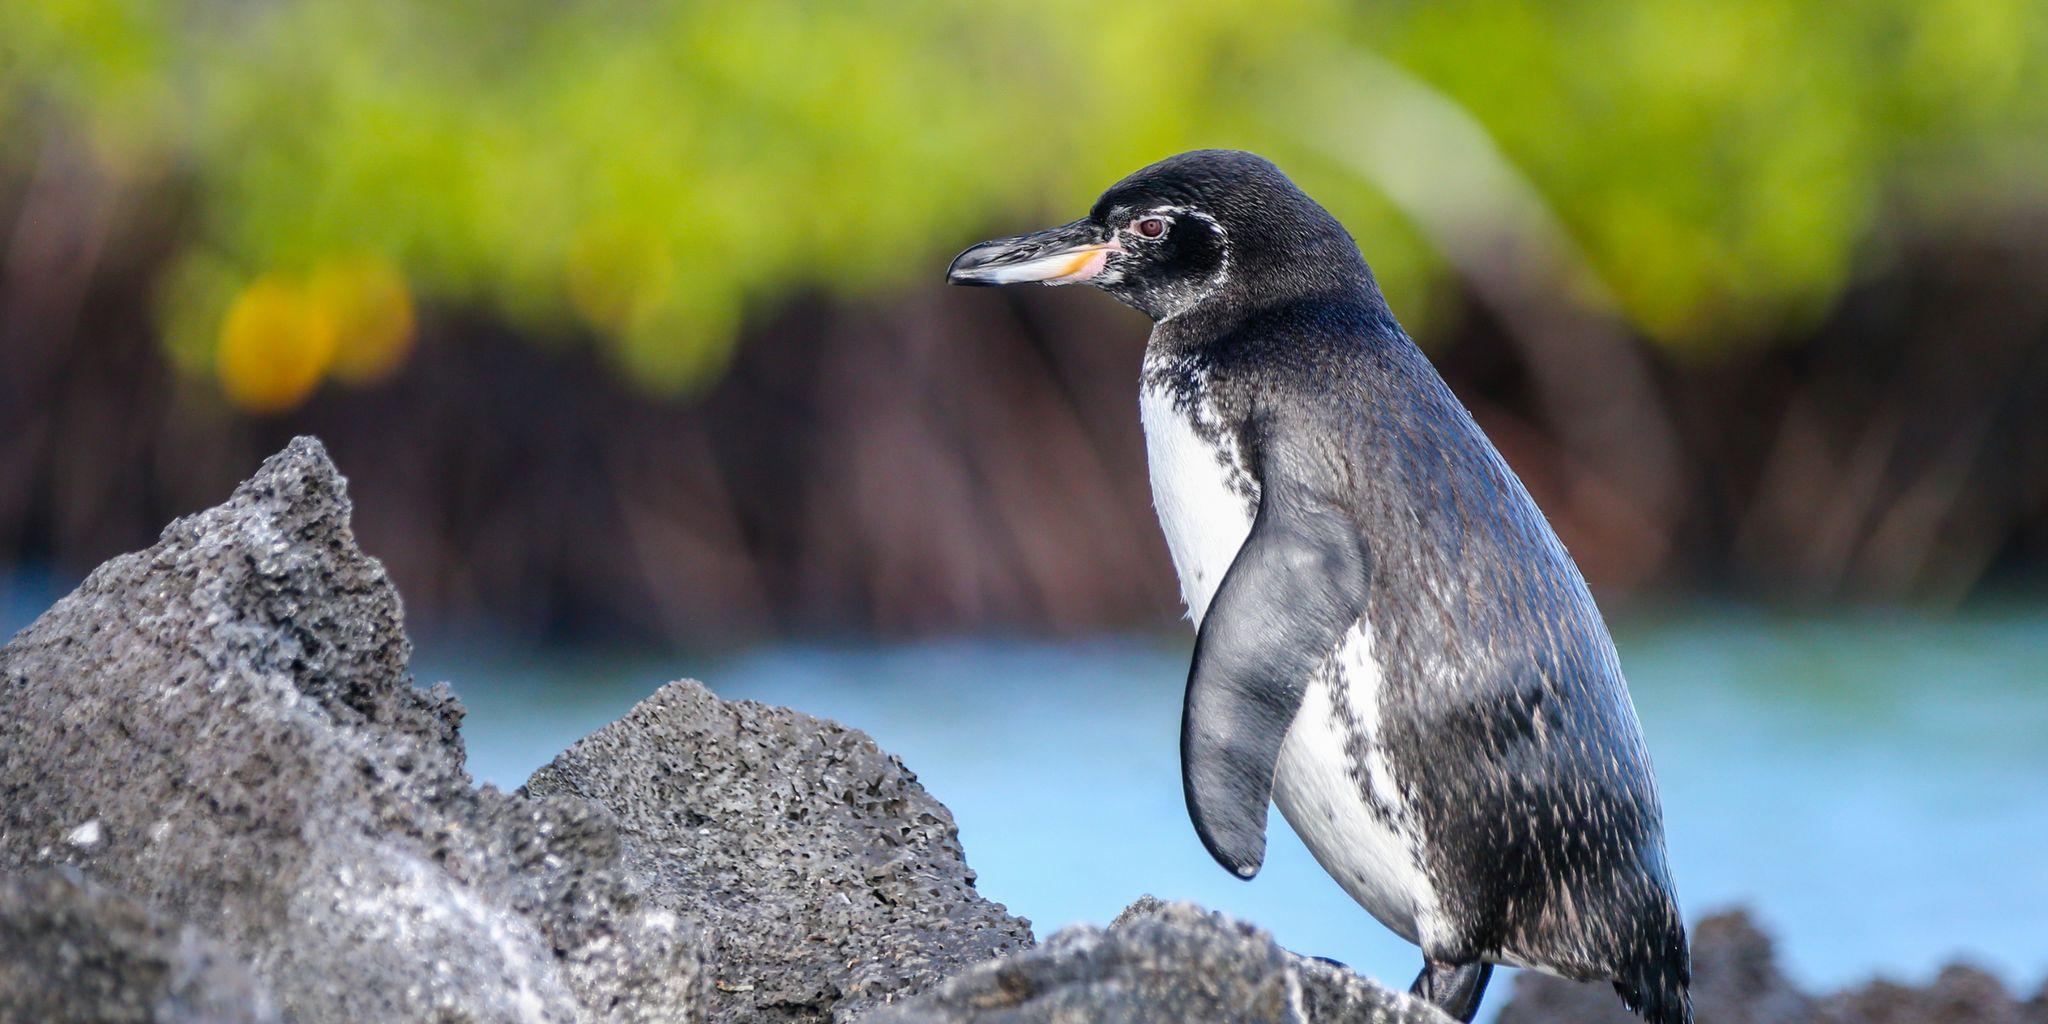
{"points": [[624, 315]]}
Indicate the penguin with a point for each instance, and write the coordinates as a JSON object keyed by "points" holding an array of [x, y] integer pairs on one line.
{"points": [[1392, 645]]}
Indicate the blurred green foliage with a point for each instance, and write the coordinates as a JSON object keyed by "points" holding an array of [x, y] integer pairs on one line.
{"points": [[650, 169]]}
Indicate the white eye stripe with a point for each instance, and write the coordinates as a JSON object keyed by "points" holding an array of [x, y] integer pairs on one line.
{"points": [[1169, 211]]}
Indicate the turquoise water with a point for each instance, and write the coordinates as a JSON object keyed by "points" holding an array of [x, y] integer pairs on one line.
{"points": [[1876, 786]]}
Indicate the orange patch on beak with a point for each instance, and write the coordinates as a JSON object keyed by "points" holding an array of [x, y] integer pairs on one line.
{"points": [[1086, 263]]}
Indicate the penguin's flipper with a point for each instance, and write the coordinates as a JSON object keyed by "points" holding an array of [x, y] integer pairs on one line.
{"points": [[1298, 583]]}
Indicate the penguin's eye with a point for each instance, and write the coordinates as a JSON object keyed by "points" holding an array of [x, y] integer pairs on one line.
{"points": [[1150, 227]]}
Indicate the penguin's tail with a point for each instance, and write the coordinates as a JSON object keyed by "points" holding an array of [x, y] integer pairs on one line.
{"points": [[1657, 1001], [1656, 984]]}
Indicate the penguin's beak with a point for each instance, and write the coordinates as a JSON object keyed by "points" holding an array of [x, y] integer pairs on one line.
{"points": [[1061, 255]]}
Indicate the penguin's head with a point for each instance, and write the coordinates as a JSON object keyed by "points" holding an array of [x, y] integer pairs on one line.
{"points": [[1214, 225]]}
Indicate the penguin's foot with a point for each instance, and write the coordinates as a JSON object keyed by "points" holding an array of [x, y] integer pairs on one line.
{"points": [[1454, 988]]}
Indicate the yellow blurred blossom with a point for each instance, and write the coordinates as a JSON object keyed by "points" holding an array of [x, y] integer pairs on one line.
{"points": [[275, 344]]}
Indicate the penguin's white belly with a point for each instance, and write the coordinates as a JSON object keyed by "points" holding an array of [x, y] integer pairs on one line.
{"points": [[1321, 785], [1198, 489]]}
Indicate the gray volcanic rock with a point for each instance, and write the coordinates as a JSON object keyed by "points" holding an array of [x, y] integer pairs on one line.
{"points": [[119, 962], [222, 729], [828, 880], [1160, 964], [1736, 981], [1959, 995]]}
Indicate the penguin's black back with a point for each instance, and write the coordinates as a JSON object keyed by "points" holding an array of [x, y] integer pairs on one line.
{"points": [[1502, 704]]}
